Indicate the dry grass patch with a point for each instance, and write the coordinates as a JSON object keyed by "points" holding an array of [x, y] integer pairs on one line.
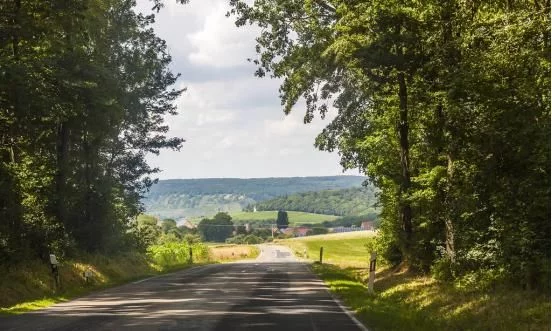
{"points": [[223, 253]]}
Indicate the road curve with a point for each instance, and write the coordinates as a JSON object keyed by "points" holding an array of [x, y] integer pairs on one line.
{"points": [[273, 292]]}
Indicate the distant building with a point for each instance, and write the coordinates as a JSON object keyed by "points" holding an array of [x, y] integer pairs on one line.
{"points": [[299, 231], [351, 228], [368, 225], [186, 223]]}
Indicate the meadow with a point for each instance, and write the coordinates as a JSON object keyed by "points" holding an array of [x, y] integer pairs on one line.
{"points": [[295, 217], [343, 249]]}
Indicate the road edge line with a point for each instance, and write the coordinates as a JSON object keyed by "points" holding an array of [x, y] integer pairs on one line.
{"points": [[339, 303]]}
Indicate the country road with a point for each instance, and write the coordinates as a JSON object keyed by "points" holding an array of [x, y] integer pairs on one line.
{"points": [[274, 292]]}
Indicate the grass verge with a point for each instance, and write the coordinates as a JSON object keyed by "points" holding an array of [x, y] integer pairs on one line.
{"points": [[404, 301], [30, 285]]}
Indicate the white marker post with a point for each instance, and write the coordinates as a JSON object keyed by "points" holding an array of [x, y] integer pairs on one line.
{"points": [[372, 272], [54, 264]]}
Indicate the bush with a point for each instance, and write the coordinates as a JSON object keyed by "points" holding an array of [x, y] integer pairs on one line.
{"points": [[177, 253], [241, 239]]}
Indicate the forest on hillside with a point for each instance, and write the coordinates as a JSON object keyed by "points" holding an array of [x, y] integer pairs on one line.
{"points": [[255, 188], [205, 197], [346, 202]]}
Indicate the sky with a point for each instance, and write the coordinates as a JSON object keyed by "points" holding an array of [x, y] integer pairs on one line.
{"points": [[233, 122]]}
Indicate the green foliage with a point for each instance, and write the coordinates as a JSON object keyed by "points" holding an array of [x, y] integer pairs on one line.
{"points": [[217, 229], [282, 220], [405, 301], [167, 225], [349, 202], [85, 87], [177, 253], [316, 231], [351, 220], [205, 197], [192, 238], [444, 105], [269, 217], [244, 239], [262, 233]]}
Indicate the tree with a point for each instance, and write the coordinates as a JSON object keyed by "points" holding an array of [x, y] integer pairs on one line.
{"points": [[167, 225], [456, 194], [217, 229], [84, 91], [282, 221]]}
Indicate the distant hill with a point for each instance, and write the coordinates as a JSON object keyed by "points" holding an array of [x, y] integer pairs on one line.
{"points": [[177, 198], [345, 202]]}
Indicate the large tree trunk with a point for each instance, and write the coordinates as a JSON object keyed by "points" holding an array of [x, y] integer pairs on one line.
{"points": [[449, 226], [444, 196], [405, 208], [62, 151]]}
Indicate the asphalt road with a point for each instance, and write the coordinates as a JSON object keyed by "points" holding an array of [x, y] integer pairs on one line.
{"points": [[274, 292]]}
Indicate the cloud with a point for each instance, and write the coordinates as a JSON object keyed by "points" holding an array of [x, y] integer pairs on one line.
{"points": [[219, 43], [232, 122]]}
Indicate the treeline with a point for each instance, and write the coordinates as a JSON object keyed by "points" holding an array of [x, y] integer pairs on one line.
{"points": [[348, 221], [444, 105], [84, 89], [353, 201]]}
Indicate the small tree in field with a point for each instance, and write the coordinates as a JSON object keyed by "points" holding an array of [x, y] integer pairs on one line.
{"points": [[282, 221]]}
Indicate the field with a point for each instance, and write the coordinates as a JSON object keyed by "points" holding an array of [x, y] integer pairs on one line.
{"points": [[343, 249], [225, 253], [295, 217]]}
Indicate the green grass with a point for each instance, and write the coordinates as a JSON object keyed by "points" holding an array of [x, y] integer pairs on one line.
{"points": [[404, 301], [343, 249], [407, 301], [295, 217]]}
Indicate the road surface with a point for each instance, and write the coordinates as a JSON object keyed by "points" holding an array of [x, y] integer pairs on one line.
{"points": [[274, 292]]}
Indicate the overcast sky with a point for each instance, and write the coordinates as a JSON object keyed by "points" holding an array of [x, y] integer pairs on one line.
{"points": [[233, 122]]}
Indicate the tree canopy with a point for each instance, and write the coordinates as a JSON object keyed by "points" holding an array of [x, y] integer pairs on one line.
{"points": [[444, 105], [84, 91], [282, 220], [217, 229]]}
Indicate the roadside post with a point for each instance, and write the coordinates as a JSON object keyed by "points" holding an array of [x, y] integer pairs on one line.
{"points": [[54, 264], [372, 272], [321, 253], [87, 274], [191, 256]]}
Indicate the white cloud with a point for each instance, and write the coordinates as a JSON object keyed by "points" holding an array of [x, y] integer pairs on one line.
{"points": [[219, 43], [232, 122]]}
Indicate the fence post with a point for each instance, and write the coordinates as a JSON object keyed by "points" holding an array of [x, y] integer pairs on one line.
{"points": [[321, 253], [372, 277]]}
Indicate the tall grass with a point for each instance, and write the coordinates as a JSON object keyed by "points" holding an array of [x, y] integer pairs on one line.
{"points": [[177, 253], [30, 285]]}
